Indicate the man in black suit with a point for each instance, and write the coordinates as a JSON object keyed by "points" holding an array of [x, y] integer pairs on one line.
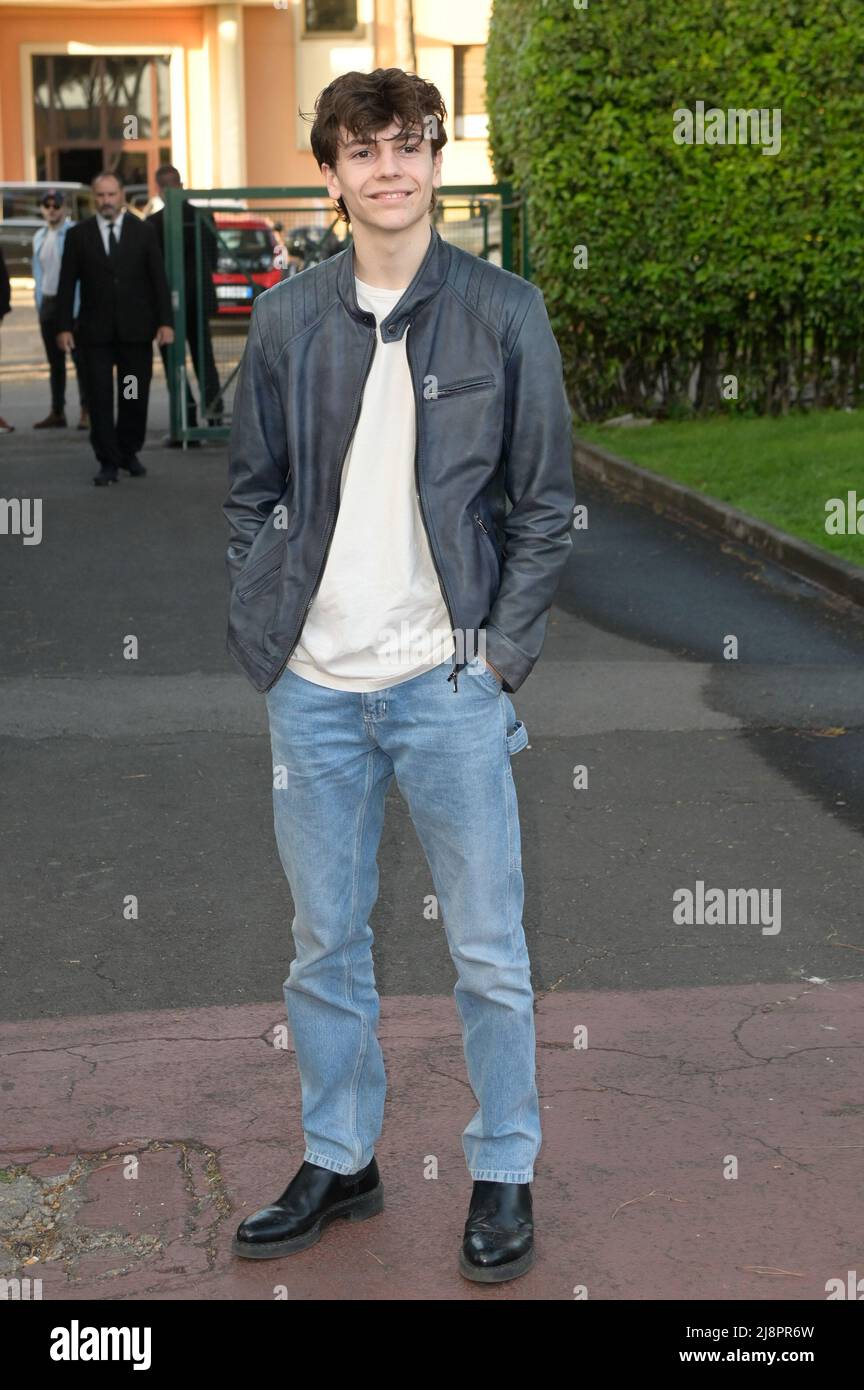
{"points": [[208, 389], [125, 303]]}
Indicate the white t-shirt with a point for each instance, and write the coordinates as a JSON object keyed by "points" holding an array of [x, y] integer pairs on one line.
{"points": [[49, 257], [379, 616]]}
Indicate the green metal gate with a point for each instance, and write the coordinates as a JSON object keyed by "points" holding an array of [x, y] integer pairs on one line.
{"points": [[225, 246]]}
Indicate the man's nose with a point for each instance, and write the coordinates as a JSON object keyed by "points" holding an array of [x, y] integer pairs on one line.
{"points": [[389, 159]]}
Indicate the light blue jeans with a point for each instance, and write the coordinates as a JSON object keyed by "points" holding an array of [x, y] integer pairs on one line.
{"points": [[334, 755]]}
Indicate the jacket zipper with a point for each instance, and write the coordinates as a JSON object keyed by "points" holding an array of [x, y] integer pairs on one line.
{"points": [[483, 527], [493, 541], [489, 541], [454, 673], [337, 500]]}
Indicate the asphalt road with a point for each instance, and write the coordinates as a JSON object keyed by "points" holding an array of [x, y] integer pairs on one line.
{"points": [[152, 776]]}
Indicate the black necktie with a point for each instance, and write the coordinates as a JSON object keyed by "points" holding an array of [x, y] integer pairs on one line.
{"points": [[113, 246]]}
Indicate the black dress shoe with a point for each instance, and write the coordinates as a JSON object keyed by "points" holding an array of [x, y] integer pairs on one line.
{"points": [[314, 1197], [105, 476], [134, 466], [499, 1234]]}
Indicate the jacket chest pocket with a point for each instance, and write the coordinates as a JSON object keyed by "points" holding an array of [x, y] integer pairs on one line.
{"points": [[479, 383]]}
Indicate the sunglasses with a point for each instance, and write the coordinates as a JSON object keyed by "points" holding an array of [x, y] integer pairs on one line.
{"points": [[50, 203]]}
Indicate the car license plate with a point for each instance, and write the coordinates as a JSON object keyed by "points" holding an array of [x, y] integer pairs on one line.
{"points": [[233, 291]]}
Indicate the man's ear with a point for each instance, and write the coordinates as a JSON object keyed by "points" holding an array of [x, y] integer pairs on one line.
{"points": [[329, 176]]}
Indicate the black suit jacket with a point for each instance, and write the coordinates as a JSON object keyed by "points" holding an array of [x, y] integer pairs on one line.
{"points": [[209, 254], [127, 306]]}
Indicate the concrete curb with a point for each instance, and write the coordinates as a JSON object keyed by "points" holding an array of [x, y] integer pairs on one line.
{"points": [[839, 576]]}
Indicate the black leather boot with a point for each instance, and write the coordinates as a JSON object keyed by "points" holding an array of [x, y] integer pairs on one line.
{"points": [[314, 1197], [499, 1233]]}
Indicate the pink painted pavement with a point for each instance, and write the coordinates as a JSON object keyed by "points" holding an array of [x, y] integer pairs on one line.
{"points": [[630, 1197]]}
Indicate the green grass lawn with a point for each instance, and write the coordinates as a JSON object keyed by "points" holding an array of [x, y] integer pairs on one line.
{"points": [[781, 469]]}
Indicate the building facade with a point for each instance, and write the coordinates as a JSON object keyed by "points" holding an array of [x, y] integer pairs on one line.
{"points": [[216, 89]]}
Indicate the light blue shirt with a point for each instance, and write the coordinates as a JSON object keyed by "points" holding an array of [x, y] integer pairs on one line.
{"points": [[38, 239]]}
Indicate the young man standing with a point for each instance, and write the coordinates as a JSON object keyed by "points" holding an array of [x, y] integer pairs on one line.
{"points": [[391, 401]]}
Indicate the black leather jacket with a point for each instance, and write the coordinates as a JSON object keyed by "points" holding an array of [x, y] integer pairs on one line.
{"points": [[493, 426]]}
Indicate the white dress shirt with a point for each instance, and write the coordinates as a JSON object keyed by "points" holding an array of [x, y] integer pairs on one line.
{"points": [[105, 227]]}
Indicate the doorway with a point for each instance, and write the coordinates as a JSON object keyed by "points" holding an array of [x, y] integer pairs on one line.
{"points": [[102, 112]]}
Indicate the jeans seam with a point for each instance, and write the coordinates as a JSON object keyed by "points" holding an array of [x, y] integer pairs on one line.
{"points": [[364, 1027], [500, 1175], [508, 773], [323, 1161]]}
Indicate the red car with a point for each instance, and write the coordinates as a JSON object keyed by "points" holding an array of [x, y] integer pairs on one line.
{"points": [[251, 258]]}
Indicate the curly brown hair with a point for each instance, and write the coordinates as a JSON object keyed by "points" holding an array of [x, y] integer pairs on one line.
{"points": [[365, 102]]}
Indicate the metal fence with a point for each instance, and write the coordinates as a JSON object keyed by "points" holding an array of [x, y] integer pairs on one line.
{"points": [[225, 246]]}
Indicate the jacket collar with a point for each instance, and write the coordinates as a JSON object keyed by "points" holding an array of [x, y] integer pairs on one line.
{"points": [[431, 274]]}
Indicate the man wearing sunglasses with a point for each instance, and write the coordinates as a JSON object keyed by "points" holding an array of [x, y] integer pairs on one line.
{"points": [[47, 258]]}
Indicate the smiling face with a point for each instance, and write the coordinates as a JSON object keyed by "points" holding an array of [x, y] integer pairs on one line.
{"points": [[387, 179]]}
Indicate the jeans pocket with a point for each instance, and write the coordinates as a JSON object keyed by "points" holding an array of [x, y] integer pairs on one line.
{"points": [[487, 677], [517, 734]]}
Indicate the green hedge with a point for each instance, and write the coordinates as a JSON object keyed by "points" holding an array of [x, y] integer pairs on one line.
{"points": [[705, 259]]}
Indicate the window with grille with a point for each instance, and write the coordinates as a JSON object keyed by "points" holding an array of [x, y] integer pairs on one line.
{"points": [[330, 16]]}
